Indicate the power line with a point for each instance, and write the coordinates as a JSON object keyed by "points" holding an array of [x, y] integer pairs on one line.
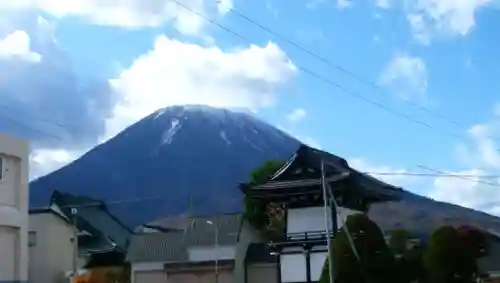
{"points": [[323, 79], [463, 177], [230, 200], [217, 197], [328, 81], [346, 71], [436, 173]]}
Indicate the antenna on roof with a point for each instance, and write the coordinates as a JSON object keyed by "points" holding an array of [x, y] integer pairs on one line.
{"points": [[190, 219]]}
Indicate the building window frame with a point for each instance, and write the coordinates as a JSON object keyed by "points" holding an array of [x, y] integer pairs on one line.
{"points": [[2, 168], [32, 237]]}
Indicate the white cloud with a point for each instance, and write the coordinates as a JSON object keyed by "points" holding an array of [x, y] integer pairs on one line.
{"points": [[363, 165], [313, 4], [430, 18], [129, 13], [17, 44], [496, 110], [469, 191], [296, 115], [407, 76], [174, 72], [342, 4], [309, 141], [44, 161], [224, 6], [482, 155], [484, 152], [383, 4]]}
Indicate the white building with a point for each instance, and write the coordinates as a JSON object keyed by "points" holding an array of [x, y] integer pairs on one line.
{"points": [[14, 154], [302, 249]]}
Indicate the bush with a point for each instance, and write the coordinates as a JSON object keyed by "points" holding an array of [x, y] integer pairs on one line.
{"points": [[376, 260], [255, 211], [446, 260]]}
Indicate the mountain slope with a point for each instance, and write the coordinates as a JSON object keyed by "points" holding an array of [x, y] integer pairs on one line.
{"points": [[195, 156], [174, 157]]}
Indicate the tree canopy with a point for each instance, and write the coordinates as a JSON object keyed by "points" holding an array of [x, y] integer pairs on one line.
{"points": [[398, 241], [256, 211], [446, 260], [376, 261], [476, 240]]}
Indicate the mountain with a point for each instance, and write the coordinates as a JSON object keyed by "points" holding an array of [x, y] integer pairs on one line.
{"points": [[191, 158], [176, 158]]}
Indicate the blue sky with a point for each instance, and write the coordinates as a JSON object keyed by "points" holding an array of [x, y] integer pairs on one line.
{"points": [[74, 75]]}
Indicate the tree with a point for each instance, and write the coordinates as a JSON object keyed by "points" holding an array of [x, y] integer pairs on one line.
{"points": [[398, 241], [256, 210], [376, 261], [474, 239], [410, 266], [446, 260]]}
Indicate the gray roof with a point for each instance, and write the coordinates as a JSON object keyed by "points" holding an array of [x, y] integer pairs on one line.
{"points": [[172, 246]]}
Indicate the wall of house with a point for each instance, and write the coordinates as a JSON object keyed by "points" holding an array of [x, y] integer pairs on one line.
{"points": [[262, 272], [294, 261], [148, 272], [312, 219], [13, 209], [51, 256], [209, 253], [225, 276], [247, 236]]}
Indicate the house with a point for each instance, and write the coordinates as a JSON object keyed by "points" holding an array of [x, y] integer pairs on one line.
{"points": [[261, 264], [299, 188], [101, 238], [13, 209], [192, 250]]}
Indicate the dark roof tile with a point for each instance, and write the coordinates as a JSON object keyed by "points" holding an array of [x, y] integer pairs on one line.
{"points": [[172, 246]]}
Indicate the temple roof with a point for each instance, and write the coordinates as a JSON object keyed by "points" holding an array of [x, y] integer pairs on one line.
{"points": [[301, 174]]}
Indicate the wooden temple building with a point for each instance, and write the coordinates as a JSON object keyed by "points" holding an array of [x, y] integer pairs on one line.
{"points": [[300, 186]]}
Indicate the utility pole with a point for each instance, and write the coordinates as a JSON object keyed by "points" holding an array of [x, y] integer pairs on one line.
{"points": [[327, 214], [75, 241], [216, 250], [216, 241], [215, 223]]}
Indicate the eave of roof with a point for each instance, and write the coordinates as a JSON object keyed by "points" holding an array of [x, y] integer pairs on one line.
{"points": [[334, 166]]}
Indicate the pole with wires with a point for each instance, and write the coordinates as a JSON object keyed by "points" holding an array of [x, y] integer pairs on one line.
{"points": [[75, 242], [348, 234], [327, 214]]}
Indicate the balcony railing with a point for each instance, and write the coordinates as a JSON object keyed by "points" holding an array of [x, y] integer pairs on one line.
{"points": [[300, 238]]}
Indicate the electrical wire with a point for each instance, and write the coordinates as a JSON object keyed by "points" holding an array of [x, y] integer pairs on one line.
{"points": [[239, 198], [325, 80], [346, 71], [375, 103]]}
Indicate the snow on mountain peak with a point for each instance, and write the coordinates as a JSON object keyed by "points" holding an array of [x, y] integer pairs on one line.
{"points": [[168, 135]]}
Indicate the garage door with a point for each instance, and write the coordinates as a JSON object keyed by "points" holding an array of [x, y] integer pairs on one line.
{"points": [[200, 277], [156, 276], [9, 242]]}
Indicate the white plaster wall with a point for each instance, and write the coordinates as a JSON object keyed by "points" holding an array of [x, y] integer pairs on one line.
{"points": [[293, 268], [317, 260], [312, 219], [148, 266], [211, 253], [52, 256], [14, 201], [155, 269]]}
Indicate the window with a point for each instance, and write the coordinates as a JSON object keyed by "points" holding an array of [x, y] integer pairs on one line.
{"points": [[1, 168], [31, 239]]}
